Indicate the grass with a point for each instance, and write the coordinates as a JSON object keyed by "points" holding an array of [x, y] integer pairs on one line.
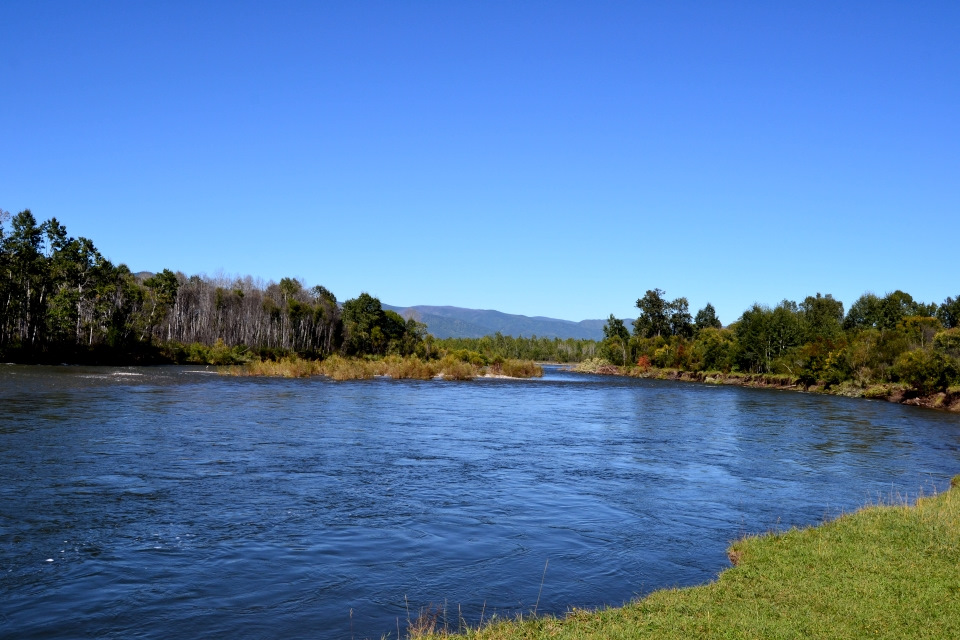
{"points": [[516, 369], [340, 368], [888, 571], [284, 368]]}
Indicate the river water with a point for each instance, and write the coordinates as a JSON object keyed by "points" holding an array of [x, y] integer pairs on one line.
{"points": [[171, 502]]}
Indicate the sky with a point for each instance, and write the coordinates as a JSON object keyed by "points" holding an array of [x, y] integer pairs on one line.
{"points": [[540, 158]]}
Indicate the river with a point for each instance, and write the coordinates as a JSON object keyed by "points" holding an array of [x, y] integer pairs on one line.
{"points": [[171, 502]]}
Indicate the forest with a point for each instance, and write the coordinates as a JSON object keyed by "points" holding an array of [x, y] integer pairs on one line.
{"points": [[62, 301], [880, 340]]}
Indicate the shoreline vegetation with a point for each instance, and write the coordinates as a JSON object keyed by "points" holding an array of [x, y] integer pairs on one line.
{"points": [[901, 393], [454, 366], [61, 301], [891, 347], [885, 571]]}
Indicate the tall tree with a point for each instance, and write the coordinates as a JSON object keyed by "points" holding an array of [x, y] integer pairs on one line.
{"points": [[864, 313], [616, 338], [654, 318], [707, 318], [822, 317], [681, 322], [949, 312], [26, 268], [361, 316], [163, 288]]}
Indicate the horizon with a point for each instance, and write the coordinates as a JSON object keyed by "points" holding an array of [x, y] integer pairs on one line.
{"points": [[543, 159]]}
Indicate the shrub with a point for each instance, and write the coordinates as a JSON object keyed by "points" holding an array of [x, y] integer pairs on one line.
{"points": [[412, 368], [926, 371], [452, 368], [948, 342], [472, 357], [643, 363], [521, 369], [340, 368]]}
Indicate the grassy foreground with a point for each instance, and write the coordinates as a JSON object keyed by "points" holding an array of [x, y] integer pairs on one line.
{"points": [[882, 572]]}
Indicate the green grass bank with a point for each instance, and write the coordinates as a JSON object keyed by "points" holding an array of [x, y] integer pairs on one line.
{"points": [[888, 571]]}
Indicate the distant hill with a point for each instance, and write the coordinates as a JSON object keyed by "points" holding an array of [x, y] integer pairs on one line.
{"points": [[457, 322]]}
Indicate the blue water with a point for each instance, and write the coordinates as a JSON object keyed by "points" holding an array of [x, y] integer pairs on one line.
{"points": [[174, 503]]}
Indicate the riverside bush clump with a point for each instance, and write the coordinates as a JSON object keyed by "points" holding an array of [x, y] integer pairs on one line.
{"points": [[340, 368], [407, 368], [283, 368], [598, 365], [453, 368], [520, 369]]}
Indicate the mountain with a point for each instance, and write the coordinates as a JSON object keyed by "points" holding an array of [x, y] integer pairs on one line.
{"points": [[457, 322]]}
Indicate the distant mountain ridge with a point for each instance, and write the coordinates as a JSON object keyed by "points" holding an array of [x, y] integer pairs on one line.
{"points": [[457, 322]]}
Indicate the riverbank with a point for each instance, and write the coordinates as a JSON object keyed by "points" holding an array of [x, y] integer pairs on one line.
{"points": [[948, 400], [888, 571]]}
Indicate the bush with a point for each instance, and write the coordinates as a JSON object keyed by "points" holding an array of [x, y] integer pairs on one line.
{"points": [[472, 357], [340, 368], [948, 342], [412, 368], [926, 371], [452, 368], [521, 369]]}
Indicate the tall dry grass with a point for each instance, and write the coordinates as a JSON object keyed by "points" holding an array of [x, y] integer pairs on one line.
{"points": [[337, 367], [284, 368]]}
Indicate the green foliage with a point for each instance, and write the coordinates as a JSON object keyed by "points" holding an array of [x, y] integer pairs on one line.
{"points": [[822, 317], [927, 371], [472, 357], [196, 353], [661, 318], [949, 312], [615, 328], [764, 334], [654, 318], [521, 348], [707, 319], [360, 316], [948, 342], [920, 330], [714, 350], [824, 361], [616, 341], [369, 329], [864, 313]]}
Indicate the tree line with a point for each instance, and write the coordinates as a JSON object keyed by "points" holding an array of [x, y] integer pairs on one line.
{"points": [[880, 339], [522, 348], [60, 299]]}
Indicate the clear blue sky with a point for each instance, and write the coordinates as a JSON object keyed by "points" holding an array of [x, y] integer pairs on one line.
{"points": [[541, 158]]}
